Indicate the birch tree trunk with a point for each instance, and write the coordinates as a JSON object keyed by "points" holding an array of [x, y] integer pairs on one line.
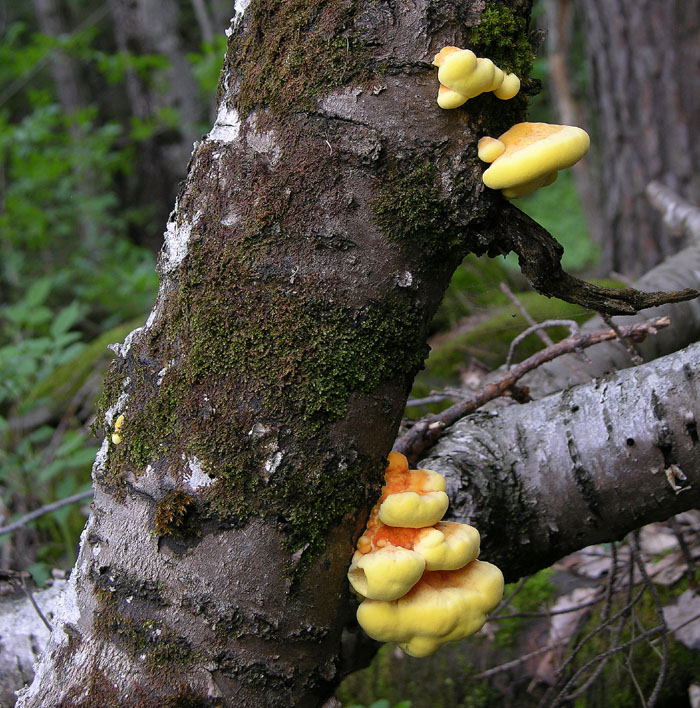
{"points": [[247, 422], [318, 227]]}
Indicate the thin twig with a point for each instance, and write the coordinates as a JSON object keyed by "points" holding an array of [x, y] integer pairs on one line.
{"points": [[506, 602], [658, 608], [632, 350], [546, 613], [28, 593], [24, 520], [538, 327], [516, 662], [427, 431], [546, 339], [685, 550]]}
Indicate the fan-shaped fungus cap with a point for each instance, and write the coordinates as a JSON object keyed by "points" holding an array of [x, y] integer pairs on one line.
{"points": [[386, 573], [389, 561], [411, 498], [533, 154], [444, 606]]}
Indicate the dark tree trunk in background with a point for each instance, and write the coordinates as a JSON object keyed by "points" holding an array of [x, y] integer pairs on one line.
{"points": [[644, 98], [64, 69], [151, 27]]}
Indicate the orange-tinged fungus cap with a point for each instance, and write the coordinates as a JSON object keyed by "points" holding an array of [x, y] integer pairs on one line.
{"points": [[411, 498], [533, 154], [444, 606], [444, 52]]}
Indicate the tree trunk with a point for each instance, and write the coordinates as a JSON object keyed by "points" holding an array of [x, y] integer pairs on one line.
{"points": [[644, 93], [65, 72], [319, 225], [151, 27]]}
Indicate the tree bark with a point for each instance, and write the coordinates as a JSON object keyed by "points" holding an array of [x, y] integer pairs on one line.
{"points": [[644, 94]]}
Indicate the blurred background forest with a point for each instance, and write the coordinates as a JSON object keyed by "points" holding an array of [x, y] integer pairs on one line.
{"points": [[100, 103]]}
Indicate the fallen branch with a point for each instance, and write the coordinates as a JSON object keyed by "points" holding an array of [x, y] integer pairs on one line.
{"points": [[427, 431], [677, 214]]}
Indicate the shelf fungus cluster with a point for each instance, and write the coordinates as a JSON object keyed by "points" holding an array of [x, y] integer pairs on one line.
{"points": [[463, 75], [419, 578], [528, 155]]}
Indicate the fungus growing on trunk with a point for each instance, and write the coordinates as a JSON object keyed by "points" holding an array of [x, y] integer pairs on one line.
{"points": [[463, 75], [419, 578], [529, 156]]}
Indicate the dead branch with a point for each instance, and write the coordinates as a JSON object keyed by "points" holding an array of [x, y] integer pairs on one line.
{"points": [[427, 431], [48, 508], [677, 214]]}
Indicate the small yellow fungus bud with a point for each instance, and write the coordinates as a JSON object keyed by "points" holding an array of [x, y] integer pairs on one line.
{"points": [[387, 573], [116, 438], [119, 423], [447, 98], [508, 88], [490, 148]]}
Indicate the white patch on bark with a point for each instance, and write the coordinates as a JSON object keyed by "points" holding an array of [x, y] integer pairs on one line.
{"points": [[227, 125], [230, 219], [404, 280], [122, 349], [177, 239], [112, 411], [197, 477], [263, 142], [273, 463], [239, 7]]}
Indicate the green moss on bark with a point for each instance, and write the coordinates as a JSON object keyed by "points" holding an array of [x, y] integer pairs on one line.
{"points": [[502, 36], [295, 51]]}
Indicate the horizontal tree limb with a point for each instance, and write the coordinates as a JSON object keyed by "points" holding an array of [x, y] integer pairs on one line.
{"points": [[583, 466]]}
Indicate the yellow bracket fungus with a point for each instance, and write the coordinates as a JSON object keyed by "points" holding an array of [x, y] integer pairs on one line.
{"points": [[463, 75], [116, 435], [444, 606], [528, 156], [420, 582]]}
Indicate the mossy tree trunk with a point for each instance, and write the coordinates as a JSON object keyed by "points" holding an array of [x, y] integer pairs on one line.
{"points": [[314, 236], [247, 422]]}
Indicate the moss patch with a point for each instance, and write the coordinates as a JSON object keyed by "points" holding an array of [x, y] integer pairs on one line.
{"points": [[502, 36], [295, 51], [149, 638], [175, 515]]}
